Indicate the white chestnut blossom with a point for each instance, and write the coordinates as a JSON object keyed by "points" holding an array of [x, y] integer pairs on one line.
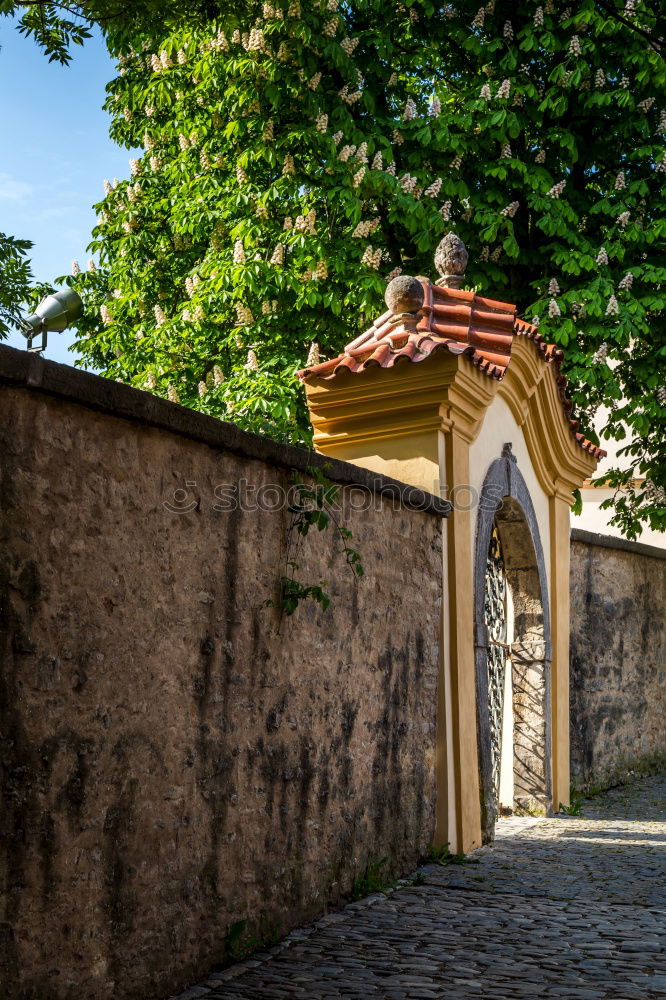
{"points": [[479, 18], [243, 315], [557, 189], [535, 321], [172, 395], [395, 273], [261, 210], [269, 131], [391, 169], [278, 255], [445, 211], [623, 219], [511, 209], [330, 28], [485, 92], [435, 107], [251, 364], [105, 314], [538, 17], [553, 309], [135, 167], [314, 81], [362, 153], [661, 127], [348, 45], [75, 268], [661, 166], [599, 78], [322, 123], [92, 267], [646, 104], [160, 318], [574, 46], [397, 138], [553, 287], [409, 112], [337, 136], [359, 175], [378, 162], [612, 308], [288, 166], [239, 252], [626, 282], [320, 273], [496, 254], [288, 223], [151, 381], [504, 89], [456, 162], [602, 258], [202, 388], [507, 31], [506, 151], [620, 182], [313, 355], [541, 156], [166, 60], [218, 377], [256, 41], [407, 183], [372, 258], [392, 80], [434, 189], [155, 163]]}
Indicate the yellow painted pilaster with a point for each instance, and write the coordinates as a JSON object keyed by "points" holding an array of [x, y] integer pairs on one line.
{"points": [[466, 823], [559, 604]]}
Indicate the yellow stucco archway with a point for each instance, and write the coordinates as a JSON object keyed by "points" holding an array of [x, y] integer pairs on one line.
{"points": [[430, 395]]}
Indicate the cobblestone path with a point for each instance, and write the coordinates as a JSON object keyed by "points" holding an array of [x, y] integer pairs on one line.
{"points": [[566, 907]]}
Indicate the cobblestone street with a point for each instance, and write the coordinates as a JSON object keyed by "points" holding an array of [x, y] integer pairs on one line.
{"points": [[565, 907]]}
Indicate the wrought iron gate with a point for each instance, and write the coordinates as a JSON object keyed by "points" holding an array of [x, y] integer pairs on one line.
{"points": [[495, 615]]}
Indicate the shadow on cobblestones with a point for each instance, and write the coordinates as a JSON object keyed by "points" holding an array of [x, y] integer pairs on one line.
{"points": [[569, 907]]}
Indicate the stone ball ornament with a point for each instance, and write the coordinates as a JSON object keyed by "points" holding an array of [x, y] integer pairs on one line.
{"points": [[451, 260], [404, 295]]}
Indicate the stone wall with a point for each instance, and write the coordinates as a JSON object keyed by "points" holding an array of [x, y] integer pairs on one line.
{"points": [[618, 659], [174, 757]]}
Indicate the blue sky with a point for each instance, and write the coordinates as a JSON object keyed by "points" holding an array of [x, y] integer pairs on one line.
{"points": [[56, 153]]}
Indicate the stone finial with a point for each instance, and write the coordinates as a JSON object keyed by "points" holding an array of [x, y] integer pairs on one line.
{"points": [[404, 295], [451, 260]]}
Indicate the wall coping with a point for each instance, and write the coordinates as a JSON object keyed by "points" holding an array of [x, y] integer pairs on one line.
{"points": [[622, 544], [26, 370]]}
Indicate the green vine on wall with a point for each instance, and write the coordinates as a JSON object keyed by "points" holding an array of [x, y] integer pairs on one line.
{"points": [[313, 504]]}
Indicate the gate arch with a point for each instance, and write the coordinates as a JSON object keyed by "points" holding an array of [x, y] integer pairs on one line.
{"points": [[506, 513]]}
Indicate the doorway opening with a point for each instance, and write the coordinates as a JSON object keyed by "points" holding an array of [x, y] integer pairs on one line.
{"points": [[513, 660]]}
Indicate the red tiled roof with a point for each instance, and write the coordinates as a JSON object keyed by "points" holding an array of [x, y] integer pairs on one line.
{"points": [[457, 321]]}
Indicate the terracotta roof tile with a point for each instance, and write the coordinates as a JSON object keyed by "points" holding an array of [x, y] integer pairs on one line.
{"points": [[455, 320]]}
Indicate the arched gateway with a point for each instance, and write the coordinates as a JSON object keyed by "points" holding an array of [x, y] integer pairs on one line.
{"points": [[453, 393]]}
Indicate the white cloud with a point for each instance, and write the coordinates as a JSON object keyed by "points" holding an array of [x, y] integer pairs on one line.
{"points": [[12, 189]]}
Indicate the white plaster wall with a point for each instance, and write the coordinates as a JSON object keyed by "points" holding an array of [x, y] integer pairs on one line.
{"points": [[499, 427], [594, 519]]}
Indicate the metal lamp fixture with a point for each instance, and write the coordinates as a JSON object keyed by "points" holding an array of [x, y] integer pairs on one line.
{"points": [[54, 313]]}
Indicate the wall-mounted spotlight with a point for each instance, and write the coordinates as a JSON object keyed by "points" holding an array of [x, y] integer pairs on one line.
{"points": [[54, 313]]}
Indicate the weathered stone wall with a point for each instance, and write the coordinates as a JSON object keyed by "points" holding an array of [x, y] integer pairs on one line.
{"points": [[174, 758], [618, 658]]}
